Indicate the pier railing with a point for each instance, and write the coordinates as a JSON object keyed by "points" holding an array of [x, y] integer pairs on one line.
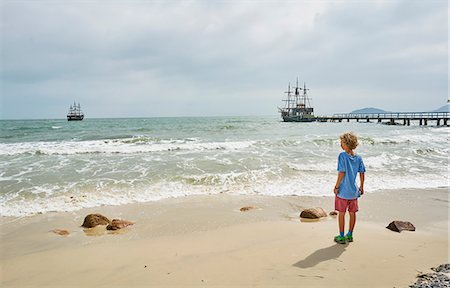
{"points": [[398, 115], [406, 117]]}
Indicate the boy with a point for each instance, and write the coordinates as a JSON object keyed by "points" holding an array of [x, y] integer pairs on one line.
{"points": [[346, 190]]}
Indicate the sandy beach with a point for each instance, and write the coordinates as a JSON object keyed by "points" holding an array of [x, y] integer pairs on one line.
{"points": [[168, 118], [207, 241]]}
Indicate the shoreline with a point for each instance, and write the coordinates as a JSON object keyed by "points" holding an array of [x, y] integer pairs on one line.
{"points": [[207, 240]]}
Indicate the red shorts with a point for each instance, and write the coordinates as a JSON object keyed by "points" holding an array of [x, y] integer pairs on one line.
{"points": [[343, 205]]}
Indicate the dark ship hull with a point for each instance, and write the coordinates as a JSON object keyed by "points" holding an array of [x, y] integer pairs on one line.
{"points": [[298, 119], [75, 117]]}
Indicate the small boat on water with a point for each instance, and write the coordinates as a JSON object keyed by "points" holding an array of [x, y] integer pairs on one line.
{"points": [[75, 113], [297, 107]]}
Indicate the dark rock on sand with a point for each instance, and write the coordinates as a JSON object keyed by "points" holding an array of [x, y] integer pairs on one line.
{"points": [[117, 224], [313, 213], [435, 280], [61, 232], [399, 226], [333, 213], [444, 268], [247, 208], [93, 220]]}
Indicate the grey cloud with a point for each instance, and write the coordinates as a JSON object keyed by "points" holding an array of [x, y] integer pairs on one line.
{"points": [[150, 58]]}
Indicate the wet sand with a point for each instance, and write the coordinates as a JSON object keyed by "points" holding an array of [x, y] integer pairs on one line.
{"points": [[207, 241]]}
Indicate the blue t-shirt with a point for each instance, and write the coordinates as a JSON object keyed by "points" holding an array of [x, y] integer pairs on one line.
{"points": [[351, 165]]}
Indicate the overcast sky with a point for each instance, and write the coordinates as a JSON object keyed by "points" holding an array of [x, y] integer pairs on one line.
{"points": [[214, 58]]}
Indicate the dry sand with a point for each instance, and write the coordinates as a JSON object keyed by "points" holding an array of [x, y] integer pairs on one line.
{"points": [[206, 241]]}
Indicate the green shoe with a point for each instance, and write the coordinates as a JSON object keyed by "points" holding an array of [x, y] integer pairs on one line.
{"points": [[341, 240], [349, 238]]}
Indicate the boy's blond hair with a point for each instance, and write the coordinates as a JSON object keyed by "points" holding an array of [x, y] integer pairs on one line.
{"points": [[350, 140]]}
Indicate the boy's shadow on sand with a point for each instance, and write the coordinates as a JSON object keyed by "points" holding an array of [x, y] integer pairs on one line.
{"points": [[325, 254]]}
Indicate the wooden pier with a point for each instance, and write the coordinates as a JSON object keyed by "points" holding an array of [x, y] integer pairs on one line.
{"points": [[404, 118]]}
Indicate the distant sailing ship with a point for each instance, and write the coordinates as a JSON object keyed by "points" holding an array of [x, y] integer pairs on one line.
{"points": [[75, 113], [298, 107]]}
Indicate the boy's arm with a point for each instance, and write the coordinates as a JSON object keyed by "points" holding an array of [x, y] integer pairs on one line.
{"points": [[338, 182], [361, 180]]}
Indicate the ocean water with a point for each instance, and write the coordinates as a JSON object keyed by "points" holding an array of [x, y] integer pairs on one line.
{"points": [[56, 165]]}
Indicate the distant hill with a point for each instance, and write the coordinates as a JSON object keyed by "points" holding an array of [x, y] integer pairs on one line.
{"points": [[445, 108], [368, 110]]}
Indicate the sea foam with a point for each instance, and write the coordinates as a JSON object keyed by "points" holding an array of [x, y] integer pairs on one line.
{"points": [[120, 161], [114, 146]]}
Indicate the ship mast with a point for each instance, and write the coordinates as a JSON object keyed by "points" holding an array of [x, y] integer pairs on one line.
{"points": [[297, 93], [289, 99], [305, 96]]}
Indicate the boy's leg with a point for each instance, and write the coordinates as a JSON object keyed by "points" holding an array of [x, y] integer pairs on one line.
{"points": [[352, 209], [341, 217], [352, 221], [340, 205], [341, 239]]}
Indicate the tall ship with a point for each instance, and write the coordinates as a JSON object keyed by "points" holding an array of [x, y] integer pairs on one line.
{"points": [[75, 113], [297, 105]]}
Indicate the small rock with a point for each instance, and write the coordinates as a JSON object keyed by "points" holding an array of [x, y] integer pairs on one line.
{"points": [[247, 208], [428, 280], [61, 232], [118, 224], [313, 213], [399, 226], [93, 220], [333, 213], [444, 268]]}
